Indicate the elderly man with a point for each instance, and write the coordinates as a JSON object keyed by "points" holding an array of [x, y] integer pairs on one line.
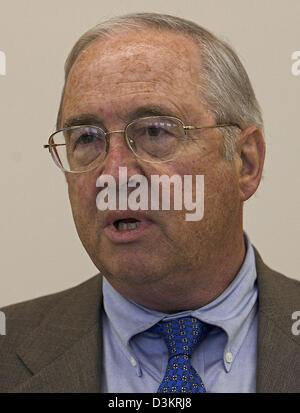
{"points": [[179, 305]]}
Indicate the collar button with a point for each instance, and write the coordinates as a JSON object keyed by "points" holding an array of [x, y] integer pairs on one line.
{"points": [[132, 361], [229, 357]]}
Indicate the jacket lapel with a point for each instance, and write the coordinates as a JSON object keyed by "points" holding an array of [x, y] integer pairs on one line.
{"points": [[278, 350], [63, 353]]}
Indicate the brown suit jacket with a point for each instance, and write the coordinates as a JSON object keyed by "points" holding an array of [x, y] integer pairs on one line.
{"points": [[53, 343]]}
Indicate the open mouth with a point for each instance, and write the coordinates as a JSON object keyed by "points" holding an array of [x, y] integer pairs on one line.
{"points": [[123, 227], [127, 224]]}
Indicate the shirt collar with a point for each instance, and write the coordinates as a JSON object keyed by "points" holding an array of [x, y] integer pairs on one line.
{"points": [[233, 311]]}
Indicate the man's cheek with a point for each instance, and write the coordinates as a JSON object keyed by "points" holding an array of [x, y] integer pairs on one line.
{"points": [[82, 191]]}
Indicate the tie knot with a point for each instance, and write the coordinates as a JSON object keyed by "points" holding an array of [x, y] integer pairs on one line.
{"points": [[181, 335]]}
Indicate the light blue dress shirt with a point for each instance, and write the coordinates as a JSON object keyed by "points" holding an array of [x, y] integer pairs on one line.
{"points": [[135, 361]]}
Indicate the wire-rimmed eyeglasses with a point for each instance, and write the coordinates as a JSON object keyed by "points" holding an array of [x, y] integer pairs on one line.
{"points": [[153, 139]]}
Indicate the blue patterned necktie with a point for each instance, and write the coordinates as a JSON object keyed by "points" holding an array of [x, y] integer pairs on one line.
{"points": [[181, 336]]}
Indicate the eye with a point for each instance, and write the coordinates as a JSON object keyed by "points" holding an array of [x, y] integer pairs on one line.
{"points": [[158, 129], [84, 137], [87, 138], [154, 131]]}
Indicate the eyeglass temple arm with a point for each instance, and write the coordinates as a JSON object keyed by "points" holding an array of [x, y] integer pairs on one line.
{"points": [[53, 144], [210, 127]]}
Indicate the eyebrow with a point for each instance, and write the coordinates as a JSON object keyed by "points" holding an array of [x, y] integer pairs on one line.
{"points": [[142, 111], [83, 119], [151, 110]]}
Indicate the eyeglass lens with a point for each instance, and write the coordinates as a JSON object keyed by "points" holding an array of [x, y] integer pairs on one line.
{"points": [[154, 139]]}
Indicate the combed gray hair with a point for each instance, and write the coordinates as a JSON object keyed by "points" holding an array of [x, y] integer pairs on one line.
{"points": [[224, 84]]}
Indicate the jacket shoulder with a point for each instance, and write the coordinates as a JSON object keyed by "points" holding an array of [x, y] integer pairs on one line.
{"points": [[33, 310], [278, 290], [278, 297], [278, 342], [23, 317]]}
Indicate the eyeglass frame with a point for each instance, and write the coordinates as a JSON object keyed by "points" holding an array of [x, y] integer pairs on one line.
{"points": [[186, 128]]}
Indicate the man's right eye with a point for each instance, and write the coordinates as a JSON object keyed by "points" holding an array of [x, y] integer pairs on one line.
{"points": [[86, 139]]}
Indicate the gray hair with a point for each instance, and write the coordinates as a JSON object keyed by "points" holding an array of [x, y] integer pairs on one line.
{"points": [[224, 86]]}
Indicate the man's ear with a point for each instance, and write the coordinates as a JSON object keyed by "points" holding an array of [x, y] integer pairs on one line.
{"points": [[251, 155]]}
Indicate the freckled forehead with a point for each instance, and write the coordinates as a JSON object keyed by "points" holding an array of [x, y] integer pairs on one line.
{"points": [[147, 59]]}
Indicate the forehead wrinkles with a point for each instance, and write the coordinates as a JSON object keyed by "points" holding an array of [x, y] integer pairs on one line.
{"points": [[116, 65]]}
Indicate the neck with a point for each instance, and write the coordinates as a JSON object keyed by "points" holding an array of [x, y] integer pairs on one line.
{"points": [[200, 287]]}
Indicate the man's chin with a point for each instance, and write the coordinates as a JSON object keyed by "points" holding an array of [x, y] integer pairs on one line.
{"points": [[131, 273]]}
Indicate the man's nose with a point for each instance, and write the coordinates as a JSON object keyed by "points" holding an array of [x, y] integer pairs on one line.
{"points": [[119, 155]]}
